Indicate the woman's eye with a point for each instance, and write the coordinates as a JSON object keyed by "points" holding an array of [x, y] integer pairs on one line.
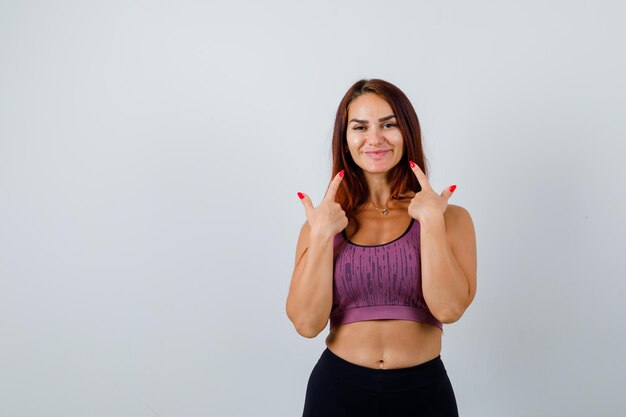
{"points": [[389, 125], [358, 127]]}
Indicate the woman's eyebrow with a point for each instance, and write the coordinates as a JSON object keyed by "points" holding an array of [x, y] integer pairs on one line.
{"points": [[382, 119]]}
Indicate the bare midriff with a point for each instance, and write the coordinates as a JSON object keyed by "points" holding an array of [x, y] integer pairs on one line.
{"points": [[385, 344]]}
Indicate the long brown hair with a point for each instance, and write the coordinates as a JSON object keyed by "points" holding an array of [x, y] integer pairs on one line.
{"points": [[353, 192]]}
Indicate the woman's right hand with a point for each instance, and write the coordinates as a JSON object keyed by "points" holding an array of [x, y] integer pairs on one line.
{"points": [[328, 218]]}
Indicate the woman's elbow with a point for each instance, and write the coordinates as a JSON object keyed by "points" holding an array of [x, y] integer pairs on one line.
{"points": [[449, 316], [308, 330]]}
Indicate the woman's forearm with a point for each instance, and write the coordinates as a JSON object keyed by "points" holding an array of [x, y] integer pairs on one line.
{"points": [[311, 294], [444, 284]]}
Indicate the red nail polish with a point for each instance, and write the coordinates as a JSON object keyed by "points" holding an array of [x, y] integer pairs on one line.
{"points": [[341, 173], [452, 188], [412, 164], [300, 195]]}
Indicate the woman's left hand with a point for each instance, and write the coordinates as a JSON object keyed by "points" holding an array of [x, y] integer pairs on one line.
{"points": [[427, 202]]}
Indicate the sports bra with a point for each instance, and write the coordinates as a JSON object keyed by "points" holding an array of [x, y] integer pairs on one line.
{"points": [[379, 282]]}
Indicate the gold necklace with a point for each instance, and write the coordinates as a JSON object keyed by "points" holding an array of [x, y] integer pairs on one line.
{"points": [[384, 211]]}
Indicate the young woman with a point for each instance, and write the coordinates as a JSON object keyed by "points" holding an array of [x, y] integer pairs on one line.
{"points": [[387, 260]]}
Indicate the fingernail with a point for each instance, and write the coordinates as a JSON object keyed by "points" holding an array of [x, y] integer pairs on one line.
{"points": [[452, 188], [341, 173], [300, 195], [412, 164]]}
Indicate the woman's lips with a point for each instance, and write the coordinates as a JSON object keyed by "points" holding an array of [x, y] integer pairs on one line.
{"points": [[376, 155]]}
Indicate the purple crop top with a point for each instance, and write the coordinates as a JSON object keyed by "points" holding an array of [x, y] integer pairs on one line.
{"points": [[379, 282]]}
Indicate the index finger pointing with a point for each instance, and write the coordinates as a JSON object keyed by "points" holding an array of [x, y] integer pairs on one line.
{"points": [[331, 192], [421, 177]]}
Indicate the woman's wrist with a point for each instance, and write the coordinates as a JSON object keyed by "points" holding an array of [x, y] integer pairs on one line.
{"points": [[320, 235], [428, 219]]}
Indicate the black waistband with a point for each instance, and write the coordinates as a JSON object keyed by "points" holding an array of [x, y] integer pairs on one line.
{"points": [[382, 380]]}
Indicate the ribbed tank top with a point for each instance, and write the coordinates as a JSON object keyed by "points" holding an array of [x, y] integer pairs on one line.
{"points": [[379, 282]]}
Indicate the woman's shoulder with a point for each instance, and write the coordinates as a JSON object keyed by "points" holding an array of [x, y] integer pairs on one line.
{"points": [[457, 218], [456, 212]]}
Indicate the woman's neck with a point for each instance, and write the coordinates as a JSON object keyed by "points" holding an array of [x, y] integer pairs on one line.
{"points": [[379, 189]]}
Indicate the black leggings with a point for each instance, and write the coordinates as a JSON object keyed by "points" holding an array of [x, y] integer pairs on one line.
{"points": [[338, 388]]}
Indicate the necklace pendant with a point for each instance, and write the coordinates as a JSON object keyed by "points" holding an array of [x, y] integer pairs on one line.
{"points": [[385, 212]]}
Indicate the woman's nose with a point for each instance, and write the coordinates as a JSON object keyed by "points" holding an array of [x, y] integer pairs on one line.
{"points": [[375, 136]]}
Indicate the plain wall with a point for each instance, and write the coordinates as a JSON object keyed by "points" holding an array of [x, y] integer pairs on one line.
{"points": [[150, 155]]}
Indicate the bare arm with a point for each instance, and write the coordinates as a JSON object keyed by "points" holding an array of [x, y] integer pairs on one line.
{"points": [[311, 291], [448, 252], [310, 297]]}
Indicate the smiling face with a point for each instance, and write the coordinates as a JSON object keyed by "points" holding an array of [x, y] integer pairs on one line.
{"points": [[374, 139]]}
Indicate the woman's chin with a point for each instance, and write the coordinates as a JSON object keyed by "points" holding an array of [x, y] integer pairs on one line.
{"points": [[374, 169]]}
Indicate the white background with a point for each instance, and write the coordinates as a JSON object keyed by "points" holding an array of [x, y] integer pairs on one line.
{"points": [[150, 155]]}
